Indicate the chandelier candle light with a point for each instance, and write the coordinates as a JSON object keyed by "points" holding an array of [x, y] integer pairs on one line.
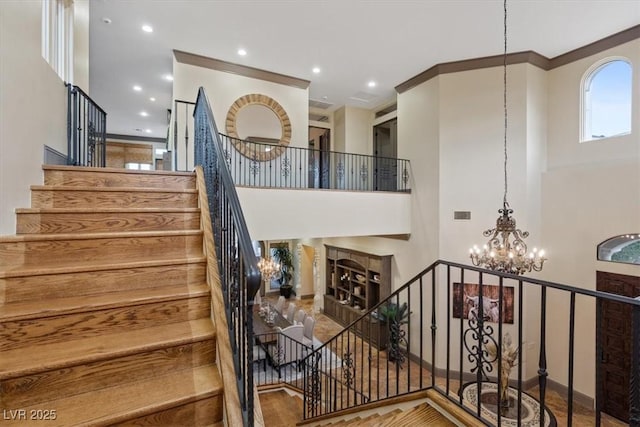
{"points": [[268, 268], [506, 250]]}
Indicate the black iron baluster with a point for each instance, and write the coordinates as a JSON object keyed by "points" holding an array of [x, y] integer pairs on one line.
{"points": [[500, 352], [420, 287], [448, 326], [461, 336], [572, 315], [542, 364], [433, 328], [520, 343], [634, 381]]}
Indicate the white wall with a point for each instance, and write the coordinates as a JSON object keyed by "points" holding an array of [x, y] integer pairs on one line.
{"points": [[32, 107], [81, 44]]}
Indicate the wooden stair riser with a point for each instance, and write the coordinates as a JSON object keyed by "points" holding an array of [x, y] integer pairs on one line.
{"points": [[70, 198], [83, 222], [204, 412], [83, 178], [68, 381], [87, 283], [114, 405], [38, 331], [55, 252]]}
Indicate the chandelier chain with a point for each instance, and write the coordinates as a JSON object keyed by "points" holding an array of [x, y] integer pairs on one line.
{"points": [[504, 101]]}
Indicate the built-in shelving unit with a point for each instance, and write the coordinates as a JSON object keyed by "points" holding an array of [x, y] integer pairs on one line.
{"points": [[357, 281]]}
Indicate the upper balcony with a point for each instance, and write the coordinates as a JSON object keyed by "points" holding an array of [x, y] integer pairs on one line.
{"points": [[292, 192]]}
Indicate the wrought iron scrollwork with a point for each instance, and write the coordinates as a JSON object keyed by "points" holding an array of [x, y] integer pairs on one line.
{"points": [[285, 167], [227, 157], [348, 368], [405, 176], [364, 172], [314, 390], [340, 171], [254, 167], [476, 338], [397, 339]]}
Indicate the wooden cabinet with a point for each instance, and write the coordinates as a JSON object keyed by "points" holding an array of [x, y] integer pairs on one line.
{"points": [[356, 282]]}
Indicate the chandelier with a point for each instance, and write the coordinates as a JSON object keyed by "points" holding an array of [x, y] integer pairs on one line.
{"points": [[506, 250], [269, 269]]}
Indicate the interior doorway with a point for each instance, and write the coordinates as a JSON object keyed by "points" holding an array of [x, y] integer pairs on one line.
{"points": [[615, 335], [319, 157], [385, 150]]}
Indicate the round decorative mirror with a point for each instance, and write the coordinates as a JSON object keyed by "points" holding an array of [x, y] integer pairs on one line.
{"points": [[259, 127]]}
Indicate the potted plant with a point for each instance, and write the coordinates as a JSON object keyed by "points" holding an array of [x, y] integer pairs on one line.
{"points": [[284, 257], [395, 315]]}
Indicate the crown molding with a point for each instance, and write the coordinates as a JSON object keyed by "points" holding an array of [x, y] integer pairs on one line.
{"points": [[529, 57], [242, 70]]}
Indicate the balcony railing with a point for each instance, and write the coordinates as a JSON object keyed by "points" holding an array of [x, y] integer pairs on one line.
{"points": [[448, 329], [86, 129], [295, 167]]}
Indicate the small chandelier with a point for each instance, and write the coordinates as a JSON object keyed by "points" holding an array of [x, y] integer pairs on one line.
{"points": [[506, 250], [269, 269]]}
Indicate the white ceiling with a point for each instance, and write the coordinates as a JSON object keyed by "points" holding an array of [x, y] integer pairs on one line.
{"points": [[352, 41]]}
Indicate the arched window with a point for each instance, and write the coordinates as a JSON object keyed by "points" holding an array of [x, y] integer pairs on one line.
{"points": [[624, 248], [606, 100]]}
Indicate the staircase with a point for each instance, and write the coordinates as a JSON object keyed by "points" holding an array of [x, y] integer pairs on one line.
{"points": [[421, 415], [104, 306]]}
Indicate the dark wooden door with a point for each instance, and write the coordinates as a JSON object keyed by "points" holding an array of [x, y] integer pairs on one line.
{"points": [[614, 362]]}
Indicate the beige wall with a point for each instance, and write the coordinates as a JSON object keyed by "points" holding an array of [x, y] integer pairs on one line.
{"points": [[223, 89], [81, 44], [32, 107]]}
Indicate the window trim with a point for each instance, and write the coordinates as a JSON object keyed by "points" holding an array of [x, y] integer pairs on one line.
{"points": [[585, 103]]}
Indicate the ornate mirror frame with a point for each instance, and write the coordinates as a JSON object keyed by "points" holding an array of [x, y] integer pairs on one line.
{"points": [[246, 149]]}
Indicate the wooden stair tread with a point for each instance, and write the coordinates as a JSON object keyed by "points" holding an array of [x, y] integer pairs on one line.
{"points": [[99, 210], [59, 306], [423, 414], [25, 361], [116, 404], [20, 271], [112, 189], [115, 170], [95, 236]]}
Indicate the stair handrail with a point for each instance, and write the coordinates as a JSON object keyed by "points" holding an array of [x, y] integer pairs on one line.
{"points": [[237, 263], [322, 403]]}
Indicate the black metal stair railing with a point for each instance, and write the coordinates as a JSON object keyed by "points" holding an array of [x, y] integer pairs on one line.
{"points": [[461, 331], [237, 264], [86, 129]]}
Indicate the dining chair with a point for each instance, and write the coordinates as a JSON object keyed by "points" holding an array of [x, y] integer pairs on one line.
{"points": [[257, 300], [289, 347], [280, 304], [298, 319], [291, 310], [307, 333]]}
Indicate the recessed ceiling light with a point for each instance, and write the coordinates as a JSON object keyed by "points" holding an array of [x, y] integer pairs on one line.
{"points": [[168, 77], [147, 130], [106, 20], [144, 113], [316, 70], [152, 99], [137, 88], [147, 28], [371, 84], [242, 52]]}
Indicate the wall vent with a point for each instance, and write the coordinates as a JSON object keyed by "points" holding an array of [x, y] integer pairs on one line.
{"points": [[461, 214], [314, 103], [318, 117]]}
